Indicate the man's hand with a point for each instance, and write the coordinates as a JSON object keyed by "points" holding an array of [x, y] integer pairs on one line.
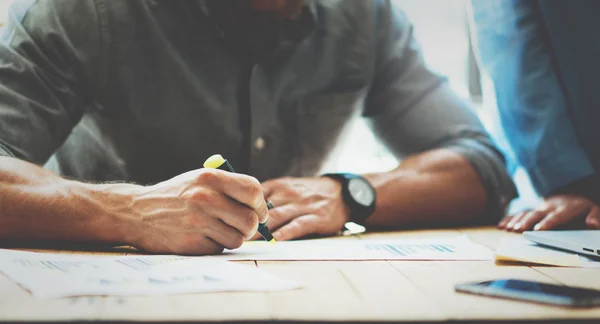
{"points": [[555, 211], [305, 206], [199, 212]]}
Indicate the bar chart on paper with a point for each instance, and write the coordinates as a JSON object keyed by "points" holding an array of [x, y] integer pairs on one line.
{"points": [[405, 250], [434, 248]]}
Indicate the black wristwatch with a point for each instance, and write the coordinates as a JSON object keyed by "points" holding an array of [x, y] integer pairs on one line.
{"points": [[358, 194]]}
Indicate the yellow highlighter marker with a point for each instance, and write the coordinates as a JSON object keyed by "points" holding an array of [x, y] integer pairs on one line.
{"points": [[218, 162]]}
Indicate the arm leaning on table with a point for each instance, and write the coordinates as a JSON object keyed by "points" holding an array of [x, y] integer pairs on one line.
{"points": [[451, 172], [533, 109], [49, 71]]}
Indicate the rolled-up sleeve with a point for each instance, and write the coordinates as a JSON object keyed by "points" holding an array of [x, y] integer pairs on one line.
{"points": [[49, 56], [412, 110]]}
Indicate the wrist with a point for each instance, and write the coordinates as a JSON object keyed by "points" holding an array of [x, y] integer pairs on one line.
{"points": [[357, 194], [337, 188], [112, 218]]}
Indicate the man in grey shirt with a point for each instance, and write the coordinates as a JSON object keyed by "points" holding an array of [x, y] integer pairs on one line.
{"points": [[122, 101]]}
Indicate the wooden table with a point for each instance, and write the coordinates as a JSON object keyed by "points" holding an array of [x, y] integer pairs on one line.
{"points": [[367, 291]]}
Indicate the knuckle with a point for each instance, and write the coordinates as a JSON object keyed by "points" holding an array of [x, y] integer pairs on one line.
{"points": [[305, 223], [285, 185], [300, 222], [255, 189], [207, 176], [291, 192], [200, 195], [315, 198], [320, 208]]}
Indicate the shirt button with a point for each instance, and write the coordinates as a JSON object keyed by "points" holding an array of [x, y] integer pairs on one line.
{"points": [[259, 144]]}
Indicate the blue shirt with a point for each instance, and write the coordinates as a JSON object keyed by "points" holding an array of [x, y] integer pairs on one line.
{"points": [[514, 48]]}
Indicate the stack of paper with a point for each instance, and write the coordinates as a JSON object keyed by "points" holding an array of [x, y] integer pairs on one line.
{"points": [[59, 275], [522, 250]]}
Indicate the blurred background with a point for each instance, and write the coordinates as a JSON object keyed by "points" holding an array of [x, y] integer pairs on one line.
{"points": [[442, 28]]}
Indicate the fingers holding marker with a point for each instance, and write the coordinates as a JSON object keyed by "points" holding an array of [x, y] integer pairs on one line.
{"points": [[241, 217], [226, 235], [239, 187], [248, 191], [245, 189]]}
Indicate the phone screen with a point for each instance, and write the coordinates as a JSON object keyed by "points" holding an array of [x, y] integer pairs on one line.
{"points": [[534, 291]]}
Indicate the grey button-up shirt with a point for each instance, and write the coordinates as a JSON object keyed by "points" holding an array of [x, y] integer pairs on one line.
{"points": [[136, 90]]}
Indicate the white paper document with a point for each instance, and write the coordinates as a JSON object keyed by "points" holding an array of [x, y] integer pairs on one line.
{"points": [[519, 249], [59, 275], [438, 248]]}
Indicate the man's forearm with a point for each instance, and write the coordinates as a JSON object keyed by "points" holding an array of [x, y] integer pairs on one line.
{"points": [[37, 204], [435, 187]]}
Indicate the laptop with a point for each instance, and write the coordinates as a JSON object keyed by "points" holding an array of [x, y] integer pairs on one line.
{"points": [[582, 242]]}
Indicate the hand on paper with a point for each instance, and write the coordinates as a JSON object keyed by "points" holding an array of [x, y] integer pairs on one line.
{"points": [[555, 211], [198, 212], [305, 206]]}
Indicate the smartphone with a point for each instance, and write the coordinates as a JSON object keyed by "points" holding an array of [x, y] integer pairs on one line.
{"points": [[534, 292]]}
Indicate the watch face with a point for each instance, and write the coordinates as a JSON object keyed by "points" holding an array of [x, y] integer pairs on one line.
{"points": [[361, 191]]}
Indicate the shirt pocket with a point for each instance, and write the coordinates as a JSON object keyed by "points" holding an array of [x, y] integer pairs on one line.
{"points": [[320, 120]]}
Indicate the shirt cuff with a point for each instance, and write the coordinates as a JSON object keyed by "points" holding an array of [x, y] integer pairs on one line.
{"points": [[490, 166], [551, 174]]}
